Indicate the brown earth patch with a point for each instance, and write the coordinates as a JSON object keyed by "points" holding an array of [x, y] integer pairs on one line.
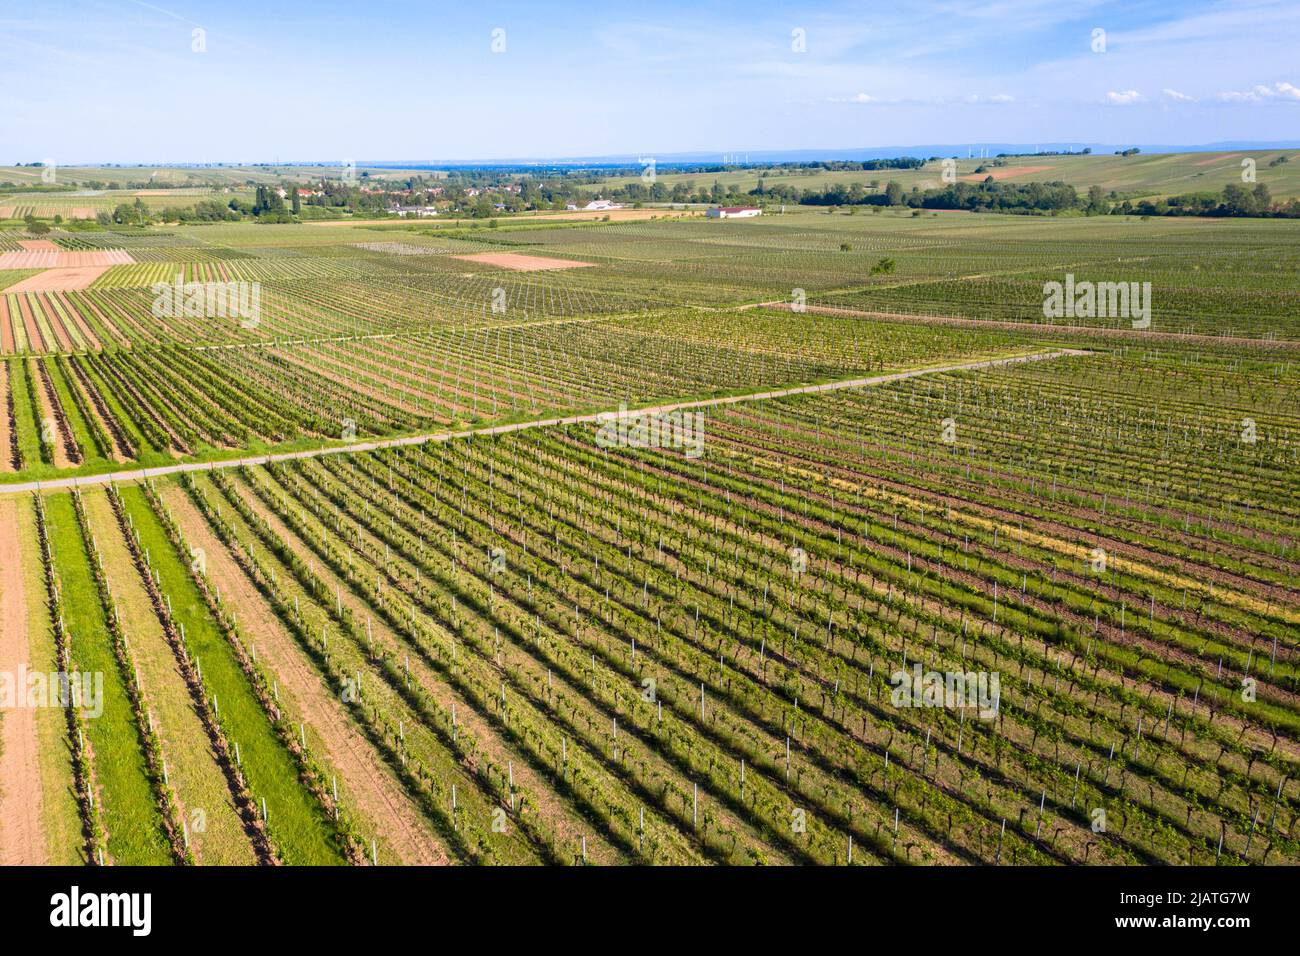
{"points": [[38, 245], [6, 330], [57, 258], [59, 280], [519, 262], [1004, 172], [21, 835], [1216, 159], [35, 340]]}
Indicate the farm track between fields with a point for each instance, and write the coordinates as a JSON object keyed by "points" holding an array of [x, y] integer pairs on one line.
{"points": [[663, 408]]}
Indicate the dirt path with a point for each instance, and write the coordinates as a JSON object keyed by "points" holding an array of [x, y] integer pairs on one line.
{"points": [[143, 473], [378, 795], [22, 838]]}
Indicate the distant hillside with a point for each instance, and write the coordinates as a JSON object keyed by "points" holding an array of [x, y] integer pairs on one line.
{"points": [[169, 176], [1132, 177]]}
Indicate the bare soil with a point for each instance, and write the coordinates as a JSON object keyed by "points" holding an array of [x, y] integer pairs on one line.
{"points": [[59, 280], [22, 839], [519, 262], [1005, 172]]}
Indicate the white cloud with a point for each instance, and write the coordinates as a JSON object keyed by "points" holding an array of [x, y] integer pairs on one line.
{"points": [[972, 99], [976, 98], [1175, 95], [866, 99], [1124, 97], [1278, 91]]}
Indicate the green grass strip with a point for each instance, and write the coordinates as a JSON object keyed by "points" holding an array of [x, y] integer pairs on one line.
{"points": [[128, 808], [296, 822]]}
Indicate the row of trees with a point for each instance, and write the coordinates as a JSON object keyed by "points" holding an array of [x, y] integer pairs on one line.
{"points": [[1235, 200], [1051, 197]]}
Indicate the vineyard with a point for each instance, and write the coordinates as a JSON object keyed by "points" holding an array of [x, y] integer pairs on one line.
{"points": [[945, 581]]}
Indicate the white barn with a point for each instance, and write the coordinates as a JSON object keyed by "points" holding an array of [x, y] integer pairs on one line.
{"points": [[733, 212]]}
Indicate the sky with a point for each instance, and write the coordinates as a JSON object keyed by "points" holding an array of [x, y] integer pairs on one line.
{"points": [[85, 81]]}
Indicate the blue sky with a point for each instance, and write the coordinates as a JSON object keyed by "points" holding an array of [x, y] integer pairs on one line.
{"points": [[120, 81]]}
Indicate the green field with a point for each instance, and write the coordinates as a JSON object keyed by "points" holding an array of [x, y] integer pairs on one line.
{"points": [[549, 646], [1131, 177], [393, 330]]}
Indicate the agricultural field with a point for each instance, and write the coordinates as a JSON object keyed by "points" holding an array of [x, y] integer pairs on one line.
{"points": [[88, 203], [808, 539], [172, 178], [1136, 177]]}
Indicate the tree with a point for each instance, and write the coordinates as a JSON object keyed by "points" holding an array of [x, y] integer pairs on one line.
{"points": [[893, 194], [1237, 200], [1097, 204], [297, 202], [1262, 198]]}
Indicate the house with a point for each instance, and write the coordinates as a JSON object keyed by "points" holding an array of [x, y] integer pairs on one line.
{"points": [[420, 211], [599, 204], [733, 212]]}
